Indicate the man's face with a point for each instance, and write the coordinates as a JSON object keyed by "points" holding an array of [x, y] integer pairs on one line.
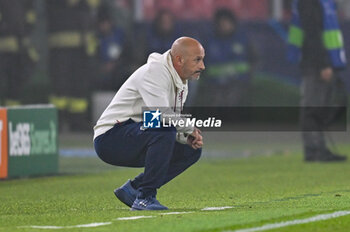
{"points": [[193, 63]]}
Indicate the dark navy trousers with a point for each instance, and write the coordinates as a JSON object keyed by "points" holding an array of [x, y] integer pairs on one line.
{"points": [[155, 149]]}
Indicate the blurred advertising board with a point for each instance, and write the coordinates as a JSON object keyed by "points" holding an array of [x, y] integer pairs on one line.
{"points": [[31, 140], [194, 9], [3, 143]]}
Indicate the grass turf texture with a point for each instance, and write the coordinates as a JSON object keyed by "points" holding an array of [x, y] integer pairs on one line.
{"points": [[262, 189]]}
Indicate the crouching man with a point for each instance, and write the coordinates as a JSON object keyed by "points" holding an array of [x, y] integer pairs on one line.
{"points": [[121, 139]]}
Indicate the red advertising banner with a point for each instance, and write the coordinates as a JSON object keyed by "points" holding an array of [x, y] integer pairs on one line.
{"points": [[3, 143], [204, 9]]}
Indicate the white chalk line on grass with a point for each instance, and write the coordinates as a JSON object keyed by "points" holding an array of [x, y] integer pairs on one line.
{"points": [[171, 213], [133, 218], [316, 218], [95, 224], [217, 208], [143, 216]]}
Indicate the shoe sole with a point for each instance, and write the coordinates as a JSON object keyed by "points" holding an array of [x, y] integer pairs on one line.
{"points": [[123, 197], [135, 209], [140, 209], [326, 161]]}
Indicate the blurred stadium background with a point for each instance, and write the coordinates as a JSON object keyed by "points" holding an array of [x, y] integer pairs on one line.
{"points": [[60, 52], [75, 54]]}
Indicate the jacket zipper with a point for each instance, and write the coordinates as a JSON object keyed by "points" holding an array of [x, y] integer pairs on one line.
{"points": [[181, 97]]}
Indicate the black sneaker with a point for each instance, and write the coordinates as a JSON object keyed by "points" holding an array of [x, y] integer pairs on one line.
{"points": [[326, 156], [330, 157], [149, 203], [126, 193]]}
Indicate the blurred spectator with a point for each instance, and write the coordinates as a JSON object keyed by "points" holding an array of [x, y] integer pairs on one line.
{"points": [[17, 53], [72, 46], [114, 53], [316, 41], [230, 60], [159, 38], [163, 32]]}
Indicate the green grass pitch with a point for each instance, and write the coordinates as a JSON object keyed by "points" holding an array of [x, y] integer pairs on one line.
{"points": [[261, 190]]}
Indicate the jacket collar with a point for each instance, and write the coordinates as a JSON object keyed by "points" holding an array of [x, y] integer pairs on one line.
{"points": [[175, 76]]}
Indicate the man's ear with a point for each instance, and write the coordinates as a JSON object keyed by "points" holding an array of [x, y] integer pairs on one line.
{"points": [[179, 60]]}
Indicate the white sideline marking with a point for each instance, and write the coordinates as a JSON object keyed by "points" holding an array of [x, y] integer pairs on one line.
{"points": [[217, 208], [134, 218], [96, 224], [170, 213], [44, 227], [320, 217], [140, 217], [93, 224]]}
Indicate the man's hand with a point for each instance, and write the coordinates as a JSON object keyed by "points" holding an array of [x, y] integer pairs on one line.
{"points": [[327, 74], [195, 140]]}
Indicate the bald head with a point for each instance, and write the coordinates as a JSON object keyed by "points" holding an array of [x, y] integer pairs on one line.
{"points": [[184, 45], [187, 55]]}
